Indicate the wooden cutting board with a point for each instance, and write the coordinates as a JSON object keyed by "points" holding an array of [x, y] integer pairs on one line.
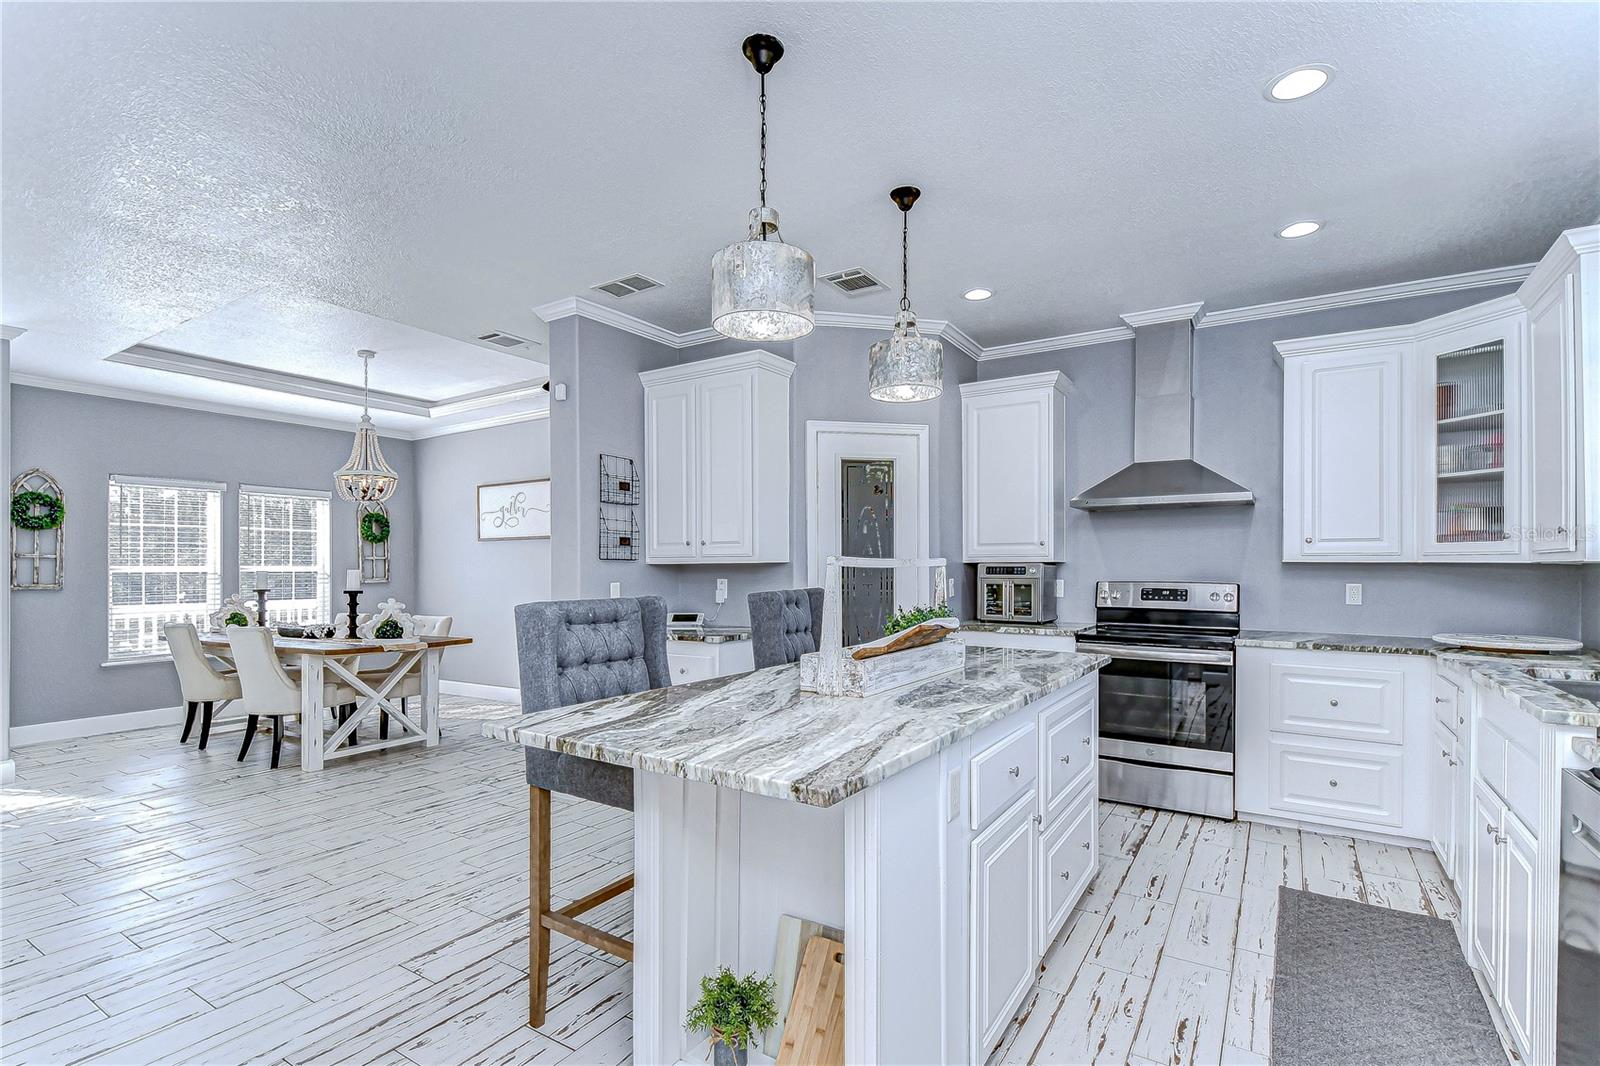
{"points": [[814, 1033], [915, 637]]}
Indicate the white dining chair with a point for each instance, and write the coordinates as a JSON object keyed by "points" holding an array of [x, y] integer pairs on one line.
{"points": [[269, 690], [202, 683], [428, 625]]}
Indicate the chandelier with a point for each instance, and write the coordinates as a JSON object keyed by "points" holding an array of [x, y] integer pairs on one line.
{"points": [[907, 367], [762, 288], [365, 477]]}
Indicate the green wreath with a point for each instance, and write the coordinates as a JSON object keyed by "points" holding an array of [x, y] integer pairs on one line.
{"points": [[37, 511], [389, 629], [237, 618], [374, 527]]}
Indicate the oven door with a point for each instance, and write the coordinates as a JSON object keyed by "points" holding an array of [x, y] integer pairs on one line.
{"points": [[994, 599], [1171, 706]]}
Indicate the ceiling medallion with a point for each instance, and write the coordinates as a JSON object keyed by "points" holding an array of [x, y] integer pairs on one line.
{"points": [[761, 288], [907, 367]]}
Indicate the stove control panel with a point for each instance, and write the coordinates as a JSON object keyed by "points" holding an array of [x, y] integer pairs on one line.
{"points": [[1168, 595]]}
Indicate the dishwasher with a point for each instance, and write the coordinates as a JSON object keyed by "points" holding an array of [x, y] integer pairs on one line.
{"points": [[1578, 954]]}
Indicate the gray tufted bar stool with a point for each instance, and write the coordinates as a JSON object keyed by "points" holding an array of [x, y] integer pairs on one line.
{"points": [[573, 651], [784, 625]]}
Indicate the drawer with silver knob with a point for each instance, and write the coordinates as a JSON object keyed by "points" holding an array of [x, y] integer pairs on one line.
{"points": [[1337, 701], [1330, 780], [1004, 770], [1067, 748]]}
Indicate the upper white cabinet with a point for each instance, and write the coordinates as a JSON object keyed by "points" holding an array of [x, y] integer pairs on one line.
{"points": [[1344, 466], [1460, 438], [716, 462], [1013, 453]]}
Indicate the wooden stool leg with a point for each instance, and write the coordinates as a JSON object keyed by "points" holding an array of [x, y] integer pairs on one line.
{"points": [[538, 903], [205, 722], [249, 735], [188, 722]]}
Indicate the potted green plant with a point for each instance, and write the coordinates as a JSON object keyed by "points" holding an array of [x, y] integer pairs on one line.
{"points": [[734, 1010]]}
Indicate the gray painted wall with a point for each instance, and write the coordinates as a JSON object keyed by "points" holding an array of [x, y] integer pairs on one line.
{"points": [[478, 582], [1591, 606], [59, 638], [604, 411], [1239, 433]]}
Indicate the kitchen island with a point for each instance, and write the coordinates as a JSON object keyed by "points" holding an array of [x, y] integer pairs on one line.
{"points": [[947, 827]]}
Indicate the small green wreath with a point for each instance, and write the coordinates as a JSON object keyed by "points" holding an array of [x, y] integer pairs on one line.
{"points": [[237, 618], [389, 629], [374, 527], [37, 511]]}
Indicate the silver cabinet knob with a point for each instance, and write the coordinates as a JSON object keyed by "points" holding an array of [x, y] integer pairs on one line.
{"points": [[1015, 771], [1066, 875], [1443, 754], [1332, 783], [1086, 741], [1491, 830], [685, 544], [1440, 699], [1454, 762], [1038, 820], [1308, 540], [1333, 703], [1066, 759], [702, 544], [1041, 544], [1085, 845], [1561, 531]]}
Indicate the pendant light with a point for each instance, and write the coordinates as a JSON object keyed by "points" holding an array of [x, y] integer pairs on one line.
{"points": [[762, 288], [365, 477], [907, 367]]}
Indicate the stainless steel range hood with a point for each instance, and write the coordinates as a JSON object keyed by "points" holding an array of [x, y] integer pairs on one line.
{"points": [[1163, 472]]}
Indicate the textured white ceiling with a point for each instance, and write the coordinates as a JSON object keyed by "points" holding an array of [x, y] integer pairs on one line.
{"points": [[451, 166]]}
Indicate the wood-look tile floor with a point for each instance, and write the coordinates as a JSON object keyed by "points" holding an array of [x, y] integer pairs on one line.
{"points": [[1168, 957], [159, 904]]}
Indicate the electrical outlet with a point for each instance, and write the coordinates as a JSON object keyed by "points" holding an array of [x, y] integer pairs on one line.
{"points": [[722, 590], [616, 590], [955, 794], [1352, 594]]}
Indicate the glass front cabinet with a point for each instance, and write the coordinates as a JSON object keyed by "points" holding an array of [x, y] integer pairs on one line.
{"points": [[1470, 453]]}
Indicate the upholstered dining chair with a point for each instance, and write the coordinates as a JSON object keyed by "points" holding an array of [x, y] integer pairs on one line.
{"points": [[270, 691], [202, 683], [784, 624], [573, 651], [428, 625]]}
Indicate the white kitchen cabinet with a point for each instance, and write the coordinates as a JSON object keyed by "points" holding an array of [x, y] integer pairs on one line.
{"points": [[1005, 895], [1485, 883], [1562, 296], [1345, 473], [1505, 857], [1067, 859], [1444, 786], [696, 660], [716, 464], [1470, 432], [1013, 474]]}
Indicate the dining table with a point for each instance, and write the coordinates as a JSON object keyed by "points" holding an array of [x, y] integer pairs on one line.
{"points": [[320, 662]]}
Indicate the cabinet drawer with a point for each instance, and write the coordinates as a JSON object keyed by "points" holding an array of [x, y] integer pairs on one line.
{"points": [[691, 665], [1068, 736], [1335, 781], [1338, 701], [1447, 709], [1003, 771], [1069, 853]]}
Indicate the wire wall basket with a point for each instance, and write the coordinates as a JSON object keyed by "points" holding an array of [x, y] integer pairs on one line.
{"points": [[619, 537], [619, 483], [619, 500]]}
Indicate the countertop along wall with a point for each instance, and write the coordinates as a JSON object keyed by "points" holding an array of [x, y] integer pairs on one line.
{"points": [[604, 412], [59, 637], [1239, 433], [478, 582]]}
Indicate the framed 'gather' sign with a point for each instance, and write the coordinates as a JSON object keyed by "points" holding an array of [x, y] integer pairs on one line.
{"points": [[514, 510]]}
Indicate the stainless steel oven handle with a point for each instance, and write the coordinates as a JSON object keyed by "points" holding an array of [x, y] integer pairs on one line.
{"points": [[1158, 655]]}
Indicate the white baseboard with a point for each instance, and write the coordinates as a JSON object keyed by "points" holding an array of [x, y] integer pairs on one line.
{"points": [[480, 692], [45, 732]]}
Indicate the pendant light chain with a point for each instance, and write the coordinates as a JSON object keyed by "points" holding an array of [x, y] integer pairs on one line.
{"points": [[366, 367], [905, 260], [763, 152]]}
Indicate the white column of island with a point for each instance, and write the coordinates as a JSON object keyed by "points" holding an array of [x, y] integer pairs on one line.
{"points": [[947, 827]]}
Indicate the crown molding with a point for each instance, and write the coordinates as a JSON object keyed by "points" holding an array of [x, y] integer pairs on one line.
{"points": [[1056, 344], [1475, 279], [11, 333], [492, 421], [1157, 315]]}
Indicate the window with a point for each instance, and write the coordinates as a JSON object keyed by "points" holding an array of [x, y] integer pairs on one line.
{"points": [[164, 560], [283, 547]]}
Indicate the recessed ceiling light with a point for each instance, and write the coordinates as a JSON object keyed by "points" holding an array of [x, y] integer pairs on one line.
{"points": [[1299, 229], [1299, 82], [978, 294]]}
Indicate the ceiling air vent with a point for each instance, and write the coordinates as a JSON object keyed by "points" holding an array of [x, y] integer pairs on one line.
{"points": [[504, 340], [628, 286], [854, 282]]}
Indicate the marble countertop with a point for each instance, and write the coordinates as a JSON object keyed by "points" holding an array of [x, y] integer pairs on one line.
{"points": [[759, 733], [1048, 629], [1507, 671], [710, 634], [1588, 749]]}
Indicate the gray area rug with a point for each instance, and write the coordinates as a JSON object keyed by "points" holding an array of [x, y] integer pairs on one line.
{"points": [[1354, 983]]}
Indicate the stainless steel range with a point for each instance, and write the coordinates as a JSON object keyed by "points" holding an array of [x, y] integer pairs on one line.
{"points": [[1166, 697]]}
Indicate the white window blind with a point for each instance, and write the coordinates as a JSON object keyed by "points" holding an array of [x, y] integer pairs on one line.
{"points": [[165, 561], [283, 547]]}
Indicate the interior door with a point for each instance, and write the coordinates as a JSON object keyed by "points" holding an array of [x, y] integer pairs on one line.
{"points": [[1552, 413], [1352, 459], [1485, 882], [1007, 471], [670, 471], [1516, 910], [727, 519], [833, 452], [1004, 910]]}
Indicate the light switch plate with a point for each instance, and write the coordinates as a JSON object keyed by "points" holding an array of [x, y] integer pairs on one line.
{"points": [[1352, 594], [949, 588], [616, 590]]}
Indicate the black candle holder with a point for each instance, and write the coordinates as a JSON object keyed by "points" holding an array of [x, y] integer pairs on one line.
{"points": [[261, 608], [355, 599]]}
